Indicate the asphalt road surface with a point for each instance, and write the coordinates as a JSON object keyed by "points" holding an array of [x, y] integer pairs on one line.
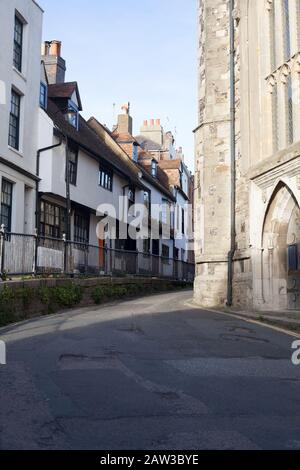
{"points": [[153, 373]]}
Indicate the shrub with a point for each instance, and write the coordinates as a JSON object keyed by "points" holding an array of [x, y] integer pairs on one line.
{"points": [[44, 294], [98, 295], [67, 296], [26, 295], [7, 306], [119, 292]]}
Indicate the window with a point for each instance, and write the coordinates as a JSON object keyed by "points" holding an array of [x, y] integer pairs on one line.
{"points": [[298, 21], [14, 120], [72, 114], [18, 44], [155, 247], [106, 178], [165, 251], [72, 163], [286, 30], [276, 17], [6, 204], [43, 95], [147, 202], [172, 217], [52, 220], [275, 118], [182, 221], [81, 228], [290, 110], [293, 263], [135, 153], [273, 43], [176, 253], [131, 197], [165, 213], [154, 168], [146, 245]]}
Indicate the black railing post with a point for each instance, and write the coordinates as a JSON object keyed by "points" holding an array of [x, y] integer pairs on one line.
{"points": [[65, 253], [34, 267], [106, 260], [86, 258], [2, 250]]}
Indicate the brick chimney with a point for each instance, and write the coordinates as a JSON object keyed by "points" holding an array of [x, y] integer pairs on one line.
{"points": [[54, 64], [125, 121], [153, 130]]}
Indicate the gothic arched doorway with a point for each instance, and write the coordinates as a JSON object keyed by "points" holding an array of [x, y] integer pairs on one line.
{"points": [[281, 248]]}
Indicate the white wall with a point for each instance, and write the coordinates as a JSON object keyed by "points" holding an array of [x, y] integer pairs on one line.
{"points": [[27, 84]]}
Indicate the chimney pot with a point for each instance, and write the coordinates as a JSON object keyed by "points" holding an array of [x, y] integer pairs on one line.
{"points": [[55, 48], [151, 122], [158, 122], [145, 123], [45, 48]]}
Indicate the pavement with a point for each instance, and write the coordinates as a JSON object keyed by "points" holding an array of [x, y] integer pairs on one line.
{"points": [[288, 320], [155, 373]]}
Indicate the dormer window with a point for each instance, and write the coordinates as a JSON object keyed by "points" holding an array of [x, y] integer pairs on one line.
{"points": [[131, 197], [154, 168], [135, 153], [43, 95], [72, 114]]}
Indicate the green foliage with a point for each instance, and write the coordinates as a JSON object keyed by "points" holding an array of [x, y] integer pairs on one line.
{"points": [[61, 296], [68, 295], [44, 295], [6, 295], [102, 293], [98, 295], [7, 309], [15, 303], [26, 295], [119, 292]]}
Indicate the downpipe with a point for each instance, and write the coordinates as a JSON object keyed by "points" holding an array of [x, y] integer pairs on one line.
{"points": [[37, 186], [232, 157], [38, 157]]}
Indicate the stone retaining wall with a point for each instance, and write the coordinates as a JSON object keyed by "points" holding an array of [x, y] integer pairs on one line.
{"points": [[20, 300]]}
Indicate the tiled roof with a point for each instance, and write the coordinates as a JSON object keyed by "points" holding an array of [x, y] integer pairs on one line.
{"points": [[64, 90], [170, 164], [161, 182], [124, 138], [147, 144], [86, 138]]}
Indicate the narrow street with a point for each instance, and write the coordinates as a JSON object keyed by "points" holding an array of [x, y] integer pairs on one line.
{"points": [[152, 373]]}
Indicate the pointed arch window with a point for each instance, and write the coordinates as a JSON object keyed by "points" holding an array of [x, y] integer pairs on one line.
{"points": [[290, 111], [286, 29]]}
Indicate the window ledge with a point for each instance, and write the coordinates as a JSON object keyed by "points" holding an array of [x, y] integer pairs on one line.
{"points": [[20, 154], [21, 75], [105, 189]]}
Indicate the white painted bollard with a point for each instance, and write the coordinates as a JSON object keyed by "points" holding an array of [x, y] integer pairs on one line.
{"points": [[2, 353]]}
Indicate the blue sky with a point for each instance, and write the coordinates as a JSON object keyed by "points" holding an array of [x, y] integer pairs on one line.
{"points": [[142, 51]]}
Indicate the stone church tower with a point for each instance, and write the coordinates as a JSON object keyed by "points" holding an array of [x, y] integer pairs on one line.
{"points": [[247, 183], [212, 183]]}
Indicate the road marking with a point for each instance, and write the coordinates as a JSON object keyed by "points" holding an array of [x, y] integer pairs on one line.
{"points": [[189, 303]]}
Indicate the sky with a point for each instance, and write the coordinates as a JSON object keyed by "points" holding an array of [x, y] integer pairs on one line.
{"points": [[141, 51]]}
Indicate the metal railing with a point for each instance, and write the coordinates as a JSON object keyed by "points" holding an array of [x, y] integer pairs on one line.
{"points": [[22, 254]]}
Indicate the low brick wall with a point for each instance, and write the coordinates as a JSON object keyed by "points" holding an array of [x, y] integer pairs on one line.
{"points": [[20, 300]]}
